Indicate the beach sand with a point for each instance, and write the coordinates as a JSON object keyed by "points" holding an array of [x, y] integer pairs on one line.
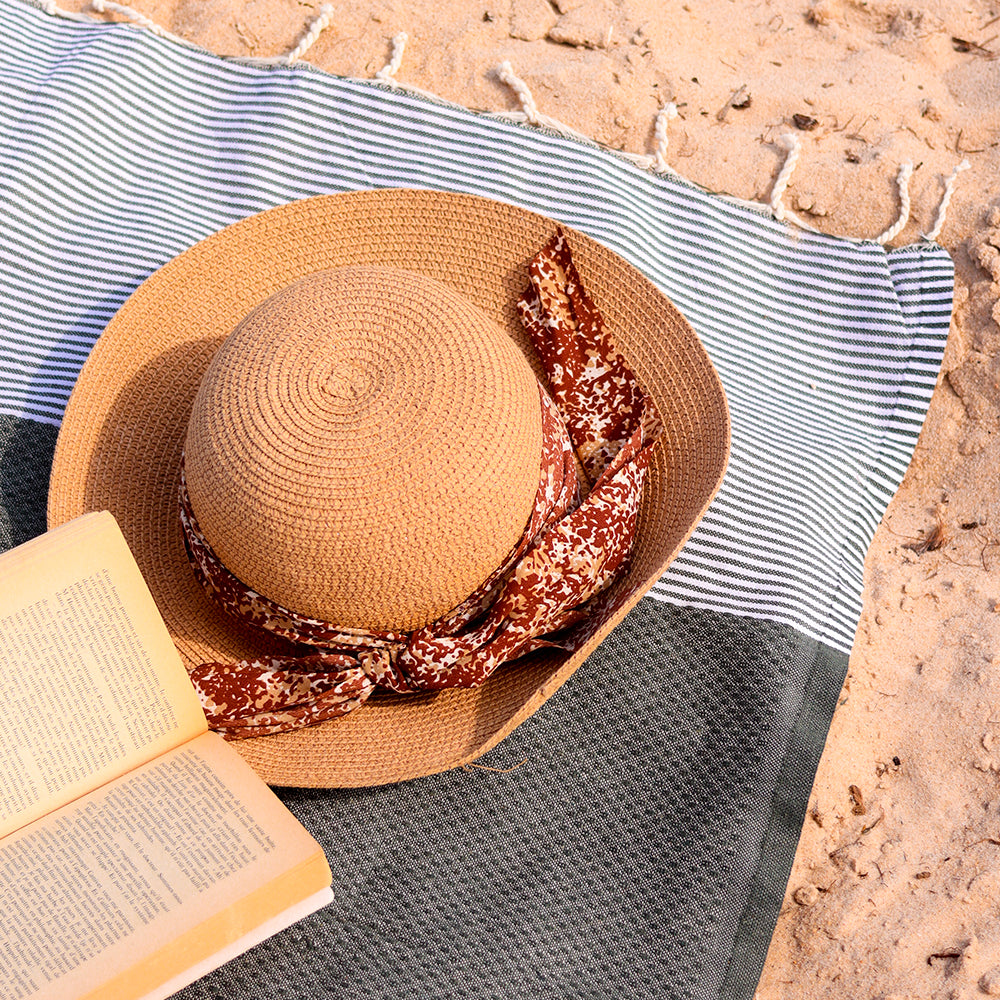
{"points": [[896, 884]]}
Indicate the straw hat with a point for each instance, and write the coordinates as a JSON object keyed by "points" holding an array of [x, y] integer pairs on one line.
{"points": [[460, 262]]}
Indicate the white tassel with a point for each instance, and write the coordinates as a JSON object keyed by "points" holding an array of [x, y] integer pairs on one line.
{"points": [[520, 88], [790, 143], [903, 183], [666, 114], [391, 68], [107, 7], [942, 212], [315, 29], [529, 110]]}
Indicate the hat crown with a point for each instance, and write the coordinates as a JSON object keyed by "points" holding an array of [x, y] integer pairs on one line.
{"points": [[365, 448]]}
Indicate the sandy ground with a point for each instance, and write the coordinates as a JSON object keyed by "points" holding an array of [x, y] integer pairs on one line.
{"points": [[896, 886]]}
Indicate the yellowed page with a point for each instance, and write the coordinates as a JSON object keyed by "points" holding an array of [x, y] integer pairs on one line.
{"points": [[125, 888], [90, 682]]}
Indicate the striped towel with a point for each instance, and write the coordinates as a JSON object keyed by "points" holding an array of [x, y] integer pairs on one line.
{"points": [[643, 849]]}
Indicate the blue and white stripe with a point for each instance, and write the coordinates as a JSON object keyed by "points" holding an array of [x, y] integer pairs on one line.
{"points": [[119, 149]]}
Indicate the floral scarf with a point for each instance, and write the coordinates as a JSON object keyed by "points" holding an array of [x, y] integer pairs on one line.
{"points": [[577, 541]]}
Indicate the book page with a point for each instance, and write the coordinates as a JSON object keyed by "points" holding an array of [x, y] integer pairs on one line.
{"points": [[124, 889], [90, 682]]}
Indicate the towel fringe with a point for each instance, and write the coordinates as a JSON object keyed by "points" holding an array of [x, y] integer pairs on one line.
{"points": [[529, 114], [666, 114], [388, 72], [134, 17], [949, 186], [903, 183], [789, 142], [317, 26], [506, 73], [529, 110]]}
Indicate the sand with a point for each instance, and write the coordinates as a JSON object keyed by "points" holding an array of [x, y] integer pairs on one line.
{"points": [[896, 884]]}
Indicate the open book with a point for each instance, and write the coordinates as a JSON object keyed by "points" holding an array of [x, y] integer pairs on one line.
{"points": [[137, 850]]}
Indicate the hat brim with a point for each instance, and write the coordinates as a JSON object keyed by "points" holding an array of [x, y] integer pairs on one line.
{"points": [[120, 442]]}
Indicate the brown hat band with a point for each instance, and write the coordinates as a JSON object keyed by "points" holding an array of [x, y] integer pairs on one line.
{"points": [[569, 553]]}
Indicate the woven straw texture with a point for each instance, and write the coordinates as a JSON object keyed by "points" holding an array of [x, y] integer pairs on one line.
{"points": [[120, 445], [364, 448]]}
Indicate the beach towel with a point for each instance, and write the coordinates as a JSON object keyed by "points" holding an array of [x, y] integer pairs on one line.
{"points": [[629, 840]]}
